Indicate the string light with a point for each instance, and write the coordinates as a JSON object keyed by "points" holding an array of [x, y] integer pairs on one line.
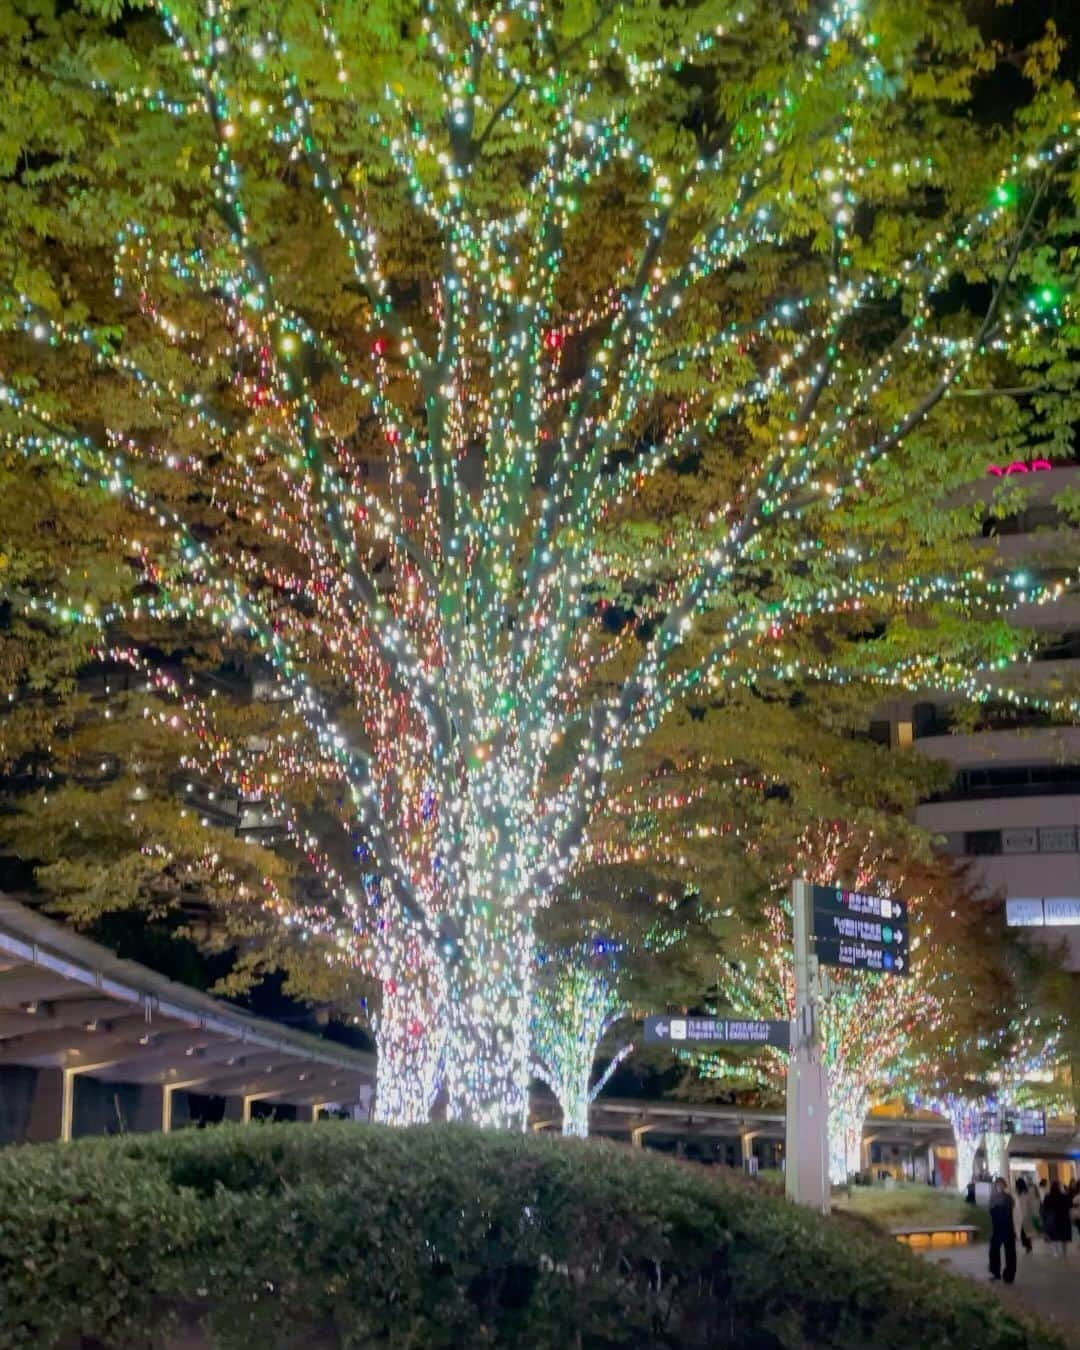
{"points": [[484, 739]]}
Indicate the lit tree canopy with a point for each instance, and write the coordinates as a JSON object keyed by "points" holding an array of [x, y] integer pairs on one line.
{"points": [[881, 1036], [998, 1069], [502, 377], [680, 910]]}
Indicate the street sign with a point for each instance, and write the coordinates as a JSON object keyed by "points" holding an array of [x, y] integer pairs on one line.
{"points": [[664, 1029], [851, 954], [836, 900], [1013, 1120], [1029, 1121], [859, 931], [884, 932]]}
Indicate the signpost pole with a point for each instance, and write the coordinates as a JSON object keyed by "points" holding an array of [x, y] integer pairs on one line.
{"points": [[807, 1148]]}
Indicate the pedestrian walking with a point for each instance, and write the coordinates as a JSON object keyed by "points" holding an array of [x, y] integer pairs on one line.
{"points": [[1002, 1233], [1057, 1219], [1028, 1208], [1074, 1203]]}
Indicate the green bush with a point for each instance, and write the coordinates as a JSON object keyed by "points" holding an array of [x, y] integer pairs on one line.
{"points": [[338, 1236]]}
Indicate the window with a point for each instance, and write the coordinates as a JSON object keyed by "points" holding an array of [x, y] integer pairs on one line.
{"points": [[1020, 841], [1014, 839], [1038, 780], [1065, 647], [1040, 516]]}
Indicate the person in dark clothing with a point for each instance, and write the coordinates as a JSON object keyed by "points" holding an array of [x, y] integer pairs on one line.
{"points": [[1002, 1233], [1057, 1219]]}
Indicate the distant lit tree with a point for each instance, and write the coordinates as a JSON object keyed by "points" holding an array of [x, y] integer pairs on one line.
{"points": [[881, 1035]]}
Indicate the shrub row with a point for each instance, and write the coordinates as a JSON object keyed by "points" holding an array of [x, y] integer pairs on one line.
{"points": [[336, 1235]]}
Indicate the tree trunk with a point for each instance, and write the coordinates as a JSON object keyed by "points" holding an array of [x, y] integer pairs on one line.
{"points": [[997, 1154], [410, 1038], [966, 1149], [846, 1116], [487, 1058], [575, 1108]]}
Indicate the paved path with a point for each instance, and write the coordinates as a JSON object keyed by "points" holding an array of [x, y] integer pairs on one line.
{"points": [[1044, 1284]]}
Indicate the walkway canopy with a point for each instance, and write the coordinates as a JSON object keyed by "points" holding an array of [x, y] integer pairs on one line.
{"points": [[70, 1010]]}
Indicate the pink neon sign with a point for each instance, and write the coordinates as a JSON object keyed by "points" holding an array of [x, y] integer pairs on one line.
{"points": [[1020, 466]]}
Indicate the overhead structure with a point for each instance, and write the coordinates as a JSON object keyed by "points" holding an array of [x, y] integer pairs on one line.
{"points": [[71, 1010], [704, 1122]]}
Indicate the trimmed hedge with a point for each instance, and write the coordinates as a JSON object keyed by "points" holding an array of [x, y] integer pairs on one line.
{"points": [[338, 1235]]}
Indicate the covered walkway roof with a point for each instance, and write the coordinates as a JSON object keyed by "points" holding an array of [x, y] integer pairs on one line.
{"points": [[708, 1120], [70, 1005]]}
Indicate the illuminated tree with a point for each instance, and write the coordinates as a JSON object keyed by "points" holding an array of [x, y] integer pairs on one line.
{"points": [[576, 1004], [965, 1113], [1014, 1056], [501, 377], [880, 1036], [1029, 1073]]}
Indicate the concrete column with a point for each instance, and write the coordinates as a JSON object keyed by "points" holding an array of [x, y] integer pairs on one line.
{"points": [[153, 1110], [638, 1133], [238, 1109], [52, 1106], [746, 1144], [310, 1113], [806, 1134]]}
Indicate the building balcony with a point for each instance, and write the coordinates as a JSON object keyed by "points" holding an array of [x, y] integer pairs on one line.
{"points": [[1025, 762], [1025, 849]]}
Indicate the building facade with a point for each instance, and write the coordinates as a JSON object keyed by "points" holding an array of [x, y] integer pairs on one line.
{"points": [[1013, 808]]}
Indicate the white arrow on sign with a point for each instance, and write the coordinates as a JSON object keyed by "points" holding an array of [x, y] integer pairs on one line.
{"points": [[661, 1029]]}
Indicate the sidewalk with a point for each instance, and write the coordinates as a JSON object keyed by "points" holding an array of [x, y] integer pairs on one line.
{"points": [[1044, 1283]]}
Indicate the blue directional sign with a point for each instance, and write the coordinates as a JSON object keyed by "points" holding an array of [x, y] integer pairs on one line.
{"points": [[855, 955], [673, 1029], [859, 931]]}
